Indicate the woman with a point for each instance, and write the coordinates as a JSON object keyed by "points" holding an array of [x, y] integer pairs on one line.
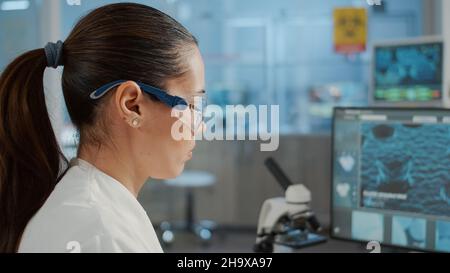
{"points": [[125, 67]]}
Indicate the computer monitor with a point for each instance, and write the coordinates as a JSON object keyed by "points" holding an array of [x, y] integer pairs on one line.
{"points": [[391, 177], [408, 73]]}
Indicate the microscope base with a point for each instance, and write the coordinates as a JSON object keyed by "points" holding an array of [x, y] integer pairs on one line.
{"points": [[297, 240]]}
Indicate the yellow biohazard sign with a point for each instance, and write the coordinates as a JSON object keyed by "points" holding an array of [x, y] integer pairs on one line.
{"points": [[350, 30]]}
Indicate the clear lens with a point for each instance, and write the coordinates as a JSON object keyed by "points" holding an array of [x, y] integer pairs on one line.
{"points": [[198, 109], [199, 104], [192, 114]]}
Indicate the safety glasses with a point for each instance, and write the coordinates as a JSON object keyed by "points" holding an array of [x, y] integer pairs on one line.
{"points": [[197, 104]]}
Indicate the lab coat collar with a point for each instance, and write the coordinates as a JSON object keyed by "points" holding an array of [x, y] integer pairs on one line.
{"points": [[88, 167]]}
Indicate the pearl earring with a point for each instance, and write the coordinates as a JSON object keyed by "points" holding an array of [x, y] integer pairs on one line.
{"points": [[135, 122]]}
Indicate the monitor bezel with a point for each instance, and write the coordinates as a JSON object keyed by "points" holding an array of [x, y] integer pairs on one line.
{"points": [[381, 108], [406, 42]]}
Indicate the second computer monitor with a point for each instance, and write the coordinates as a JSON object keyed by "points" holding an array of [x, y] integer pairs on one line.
{"points": [[408, 73]]}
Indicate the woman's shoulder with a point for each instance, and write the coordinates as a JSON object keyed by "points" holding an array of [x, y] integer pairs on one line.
{"points": [[68, 215]]}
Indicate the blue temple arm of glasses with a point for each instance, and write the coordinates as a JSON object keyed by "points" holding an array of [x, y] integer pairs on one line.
{"points": [[161, 95], [98, 93]]}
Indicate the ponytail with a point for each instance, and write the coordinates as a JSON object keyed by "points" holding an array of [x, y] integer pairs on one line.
{"points": [[31, 162]]}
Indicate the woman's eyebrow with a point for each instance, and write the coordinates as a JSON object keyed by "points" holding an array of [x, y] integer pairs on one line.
{"points": [[200, 92]]}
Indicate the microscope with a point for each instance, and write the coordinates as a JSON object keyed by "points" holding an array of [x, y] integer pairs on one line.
{"points": [[288, 220]]}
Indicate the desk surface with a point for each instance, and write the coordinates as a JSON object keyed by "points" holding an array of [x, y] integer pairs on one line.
{"points": [[242, 242], [330, 246]]}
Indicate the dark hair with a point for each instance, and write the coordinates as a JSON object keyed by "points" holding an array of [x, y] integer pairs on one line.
{"points": [[118, 41]]}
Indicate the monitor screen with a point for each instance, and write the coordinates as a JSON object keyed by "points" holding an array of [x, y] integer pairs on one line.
{"points": [[391, 177], [408, 73]]}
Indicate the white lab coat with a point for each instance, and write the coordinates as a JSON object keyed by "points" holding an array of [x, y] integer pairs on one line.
{"points": [[89, 211]]}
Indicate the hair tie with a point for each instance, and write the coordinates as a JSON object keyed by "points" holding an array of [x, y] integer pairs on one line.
{"points": [[53, 52]]}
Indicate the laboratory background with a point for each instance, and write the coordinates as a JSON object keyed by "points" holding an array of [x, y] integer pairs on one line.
{"points": [[307, 57]]}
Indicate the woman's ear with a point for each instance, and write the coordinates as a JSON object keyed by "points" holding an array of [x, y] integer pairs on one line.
{"points": [[128, 100]]}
